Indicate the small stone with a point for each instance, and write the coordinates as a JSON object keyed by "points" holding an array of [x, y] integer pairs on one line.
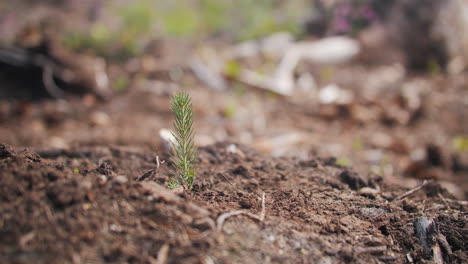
{"points": [[231, 148], [121, 179], [367, 191], [372, 211], [102, 179], [86, 184], [425, 230], [57, 142], [99, 118], [333, 94], [381, 140], [234, 150], [178, 190], [115, 228]]}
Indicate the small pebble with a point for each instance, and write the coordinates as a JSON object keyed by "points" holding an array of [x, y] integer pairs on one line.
{"points": [[367, 191], [99, 118], [102, 179], [234, 150], [372, 211], [178, 190], [231, 148], [86, 184], [57, 142], [121, 179]]}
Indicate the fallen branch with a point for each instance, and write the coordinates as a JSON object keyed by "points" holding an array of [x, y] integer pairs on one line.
{"points": [[222, 218], [56, 65], [49, 70], [410, 192]]}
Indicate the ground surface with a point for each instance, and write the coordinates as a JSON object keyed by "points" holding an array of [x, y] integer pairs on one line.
{"points": [[81, 180], [88, 190], [61, 206]]}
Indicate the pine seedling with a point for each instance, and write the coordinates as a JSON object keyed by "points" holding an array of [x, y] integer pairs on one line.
{"points": [[184, 152]]}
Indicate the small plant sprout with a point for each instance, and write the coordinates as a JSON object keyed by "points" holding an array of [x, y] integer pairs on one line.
{"points": [[184, 152]]}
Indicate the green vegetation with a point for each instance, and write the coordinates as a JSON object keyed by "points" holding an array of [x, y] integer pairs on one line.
{"points": [[381, 167], [242, 19], [460, 143], [184, 151], [357, 144], [134, 24], [327, 73], [343, 161], [134, 28], [232, 69], [230, 109], [121, 83]]}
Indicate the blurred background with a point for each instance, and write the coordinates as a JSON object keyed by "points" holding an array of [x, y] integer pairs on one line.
{"points": [[378, 85]]}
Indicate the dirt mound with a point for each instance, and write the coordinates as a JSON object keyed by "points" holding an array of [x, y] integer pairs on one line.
{"points": [[89, 205]]}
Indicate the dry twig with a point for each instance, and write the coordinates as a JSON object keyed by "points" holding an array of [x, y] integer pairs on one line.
{"points": [[146, 174], [458, 202], [152, 171], [230, 183], [162, 254], [262, 213], [233, 186], [222, 218], [444, 201], [371, 250], [158, 162], [410, 192]]}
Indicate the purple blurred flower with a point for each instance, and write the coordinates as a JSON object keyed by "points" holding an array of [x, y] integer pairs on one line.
{"points": [[351, 16], [341, 25], [368, 13]]}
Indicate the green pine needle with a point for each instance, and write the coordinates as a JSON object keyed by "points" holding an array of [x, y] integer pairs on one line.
{"points": [[184, 151]]}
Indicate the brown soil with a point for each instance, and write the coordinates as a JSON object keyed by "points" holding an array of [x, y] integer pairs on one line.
{"points": [[82, 180], [86, 205], [89, 190]]}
